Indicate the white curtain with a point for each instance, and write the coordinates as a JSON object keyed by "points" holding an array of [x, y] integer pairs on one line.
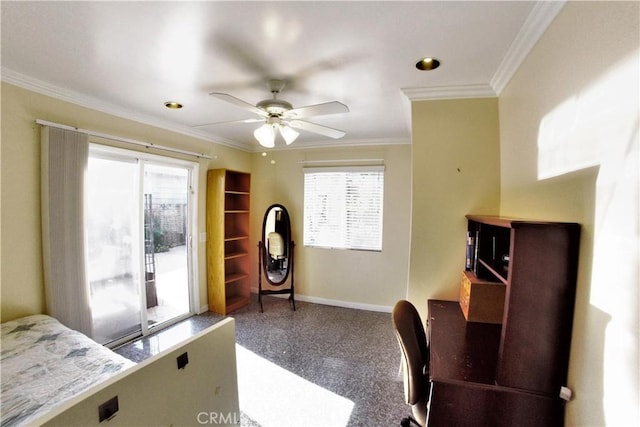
{"points": [[65, 155]]}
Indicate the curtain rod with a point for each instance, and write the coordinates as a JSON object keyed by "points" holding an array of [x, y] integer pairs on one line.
{"points": [[121, 139]]}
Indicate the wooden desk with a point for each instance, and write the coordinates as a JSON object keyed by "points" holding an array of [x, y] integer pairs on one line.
{"points": [[462, 370]]}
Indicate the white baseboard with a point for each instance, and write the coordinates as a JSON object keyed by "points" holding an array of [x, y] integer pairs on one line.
{"points": [[336, 303]]}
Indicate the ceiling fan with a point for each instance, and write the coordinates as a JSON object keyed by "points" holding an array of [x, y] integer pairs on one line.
{"points": [[279, 115]]}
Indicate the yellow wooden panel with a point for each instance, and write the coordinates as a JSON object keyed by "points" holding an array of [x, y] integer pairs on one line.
{"points": [[215, 240]]}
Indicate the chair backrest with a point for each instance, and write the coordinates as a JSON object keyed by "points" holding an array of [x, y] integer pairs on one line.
{"points": [[276, 245], [415, 353]]}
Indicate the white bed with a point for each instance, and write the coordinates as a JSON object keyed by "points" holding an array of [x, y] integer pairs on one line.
{"points": [[56, 376]]}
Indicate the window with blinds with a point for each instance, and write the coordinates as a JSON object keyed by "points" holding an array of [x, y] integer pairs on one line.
{"points": [[343, 207]]}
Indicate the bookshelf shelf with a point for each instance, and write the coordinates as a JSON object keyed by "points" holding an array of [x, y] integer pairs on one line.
{"points": [[228, 207]]}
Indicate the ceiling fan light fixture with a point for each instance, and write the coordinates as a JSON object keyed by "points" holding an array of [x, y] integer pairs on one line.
{"points": [[279, 116], [427, 64], [289, 134], [266, 135]]}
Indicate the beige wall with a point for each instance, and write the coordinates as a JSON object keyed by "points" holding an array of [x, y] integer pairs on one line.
{"points": [[21, 269], [569, 151], [565, 147], [456, 171], [373, 280], [365, 279]]}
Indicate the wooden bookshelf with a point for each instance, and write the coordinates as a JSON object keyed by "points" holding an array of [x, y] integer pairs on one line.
{"points": [[228, 279]]}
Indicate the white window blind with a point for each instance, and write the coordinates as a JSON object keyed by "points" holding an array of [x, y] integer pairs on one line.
{"points": [[343, 207]]}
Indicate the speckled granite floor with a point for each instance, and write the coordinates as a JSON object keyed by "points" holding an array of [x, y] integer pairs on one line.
{"points": [[352, 355]]}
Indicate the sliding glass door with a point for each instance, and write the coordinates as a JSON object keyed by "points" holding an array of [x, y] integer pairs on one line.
{"points": [[166, 234], [113, 265], [139, 227]]}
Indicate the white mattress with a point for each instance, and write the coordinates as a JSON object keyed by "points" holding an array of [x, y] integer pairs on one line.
{"points": [[45, 363]]}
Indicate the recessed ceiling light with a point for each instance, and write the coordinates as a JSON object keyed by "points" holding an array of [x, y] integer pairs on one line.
{"points": [[172, 105], [427, 64]]}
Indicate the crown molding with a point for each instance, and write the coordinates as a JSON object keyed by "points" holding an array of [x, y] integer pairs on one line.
{"points": [[17, 79], [340, 143], [449, 92], [539, 19], [38, 86], [537, 22]]}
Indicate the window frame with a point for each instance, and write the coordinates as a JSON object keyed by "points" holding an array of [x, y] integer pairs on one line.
{"points": [[346, 242]]}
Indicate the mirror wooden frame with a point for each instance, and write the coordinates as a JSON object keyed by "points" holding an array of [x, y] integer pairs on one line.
{"points": [[275, 254]]}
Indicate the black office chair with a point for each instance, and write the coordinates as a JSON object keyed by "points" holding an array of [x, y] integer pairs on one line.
{"points": [[415, 360]]}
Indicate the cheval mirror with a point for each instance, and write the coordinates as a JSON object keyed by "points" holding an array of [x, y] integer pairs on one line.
{"points": [[275, 254]]}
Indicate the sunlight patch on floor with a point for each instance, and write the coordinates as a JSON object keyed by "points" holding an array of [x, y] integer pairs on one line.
{"points": [[274, 397]]}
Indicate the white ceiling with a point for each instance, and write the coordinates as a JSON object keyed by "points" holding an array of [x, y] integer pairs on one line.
{"points": [[128, 58]]}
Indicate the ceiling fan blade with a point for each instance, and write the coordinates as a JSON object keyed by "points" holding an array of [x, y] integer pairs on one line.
{"points": [[333, 107], [230, 121], [239, 103], [316, 128]]}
